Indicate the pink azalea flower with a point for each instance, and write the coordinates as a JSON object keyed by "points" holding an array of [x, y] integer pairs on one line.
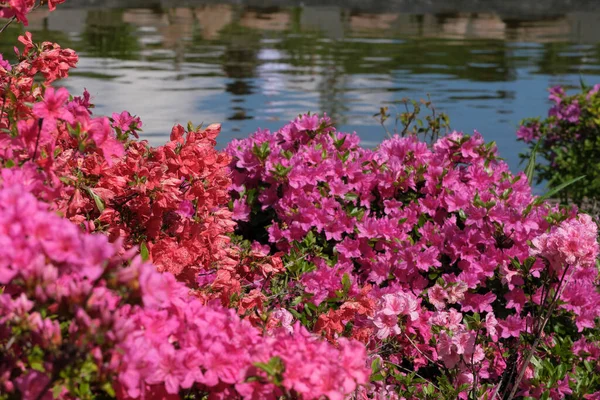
{"points": [[186, 209], [478, 302], [349, 248], [241, 210], [5, 64], [52, 108], [490, 325], [512, 326], [52, 4], [32, 384], [307, 123], [125, 122], [168, 368], [387, 325], [516, 299], [102, 135]]}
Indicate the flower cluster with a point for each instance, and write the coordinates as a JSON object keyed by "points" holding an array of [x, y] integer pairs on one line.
{"points": [[171, 200], [19, 9], [77, 315], [82, 314], [285, 265], [568, 141], [421, 252]]}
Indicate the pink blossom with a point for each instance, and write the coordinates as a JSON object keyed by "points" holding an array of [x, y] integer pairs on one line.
{"points": [[437, 297], [478, 302], [126, 123], [512, 326], [32, 384], [52, 108], [102, 134]]}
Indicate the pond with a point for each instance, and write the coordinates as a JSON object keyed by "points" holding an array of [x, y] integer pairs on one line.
{"points": [[250, 66]]}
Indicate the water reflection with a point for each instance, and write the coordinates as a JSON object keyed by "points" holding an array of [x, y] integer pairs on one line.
{"points": [[251, 67], [108, 34]]}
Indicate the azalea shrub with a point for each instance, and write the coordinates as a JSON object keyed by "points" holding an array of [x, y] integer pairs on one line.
{"points": [[457, 280], [171, 201], [80, 318], [568, 143], [85, 209], [296, 264]]}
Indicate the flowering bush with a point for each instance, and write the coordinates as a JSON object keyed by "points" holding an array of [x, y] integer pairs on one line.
{"points": [[123, 272], [170, 200], [80, 319], [82, 315], [437, 258], [568, 141]]}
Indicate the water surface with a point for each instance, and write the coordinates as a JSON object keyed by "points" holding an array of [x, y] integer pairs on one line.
{"points": [[250, 67]]}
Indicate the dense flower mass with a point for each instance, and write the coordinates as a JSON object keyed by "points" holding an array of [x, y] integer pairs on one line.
{"points": [[422, 253], [82, 315], [71, 299], [296, 264], [172, 200]]}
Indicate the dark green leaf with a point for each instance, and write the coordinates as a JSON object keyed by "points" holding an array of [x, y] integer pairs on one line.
{"points": [[558, 189], [530, 169]]}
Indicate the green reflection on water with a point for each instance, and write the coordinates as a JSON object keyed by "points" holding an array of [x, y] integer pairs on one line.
{"points": [[107, 36], [327, 45]]}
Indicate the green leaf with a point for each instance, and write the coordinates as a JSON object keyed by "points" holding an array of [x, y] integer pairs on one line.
{"points": [[56, 391], [281, 171], [107, 387], [261, 152], [351, 196], [562, 371], [530, 169], [346, 284], [144, 251], [84, 388], [37, 365], [558, 189], [584, 87], [36, 359], [375, 366], [274, 368], [97, 199], [377, 377], [265, 367], [338, 143]]}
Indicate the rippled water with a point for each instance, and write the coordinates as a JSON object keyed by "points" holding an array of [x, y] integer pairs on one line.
{"points": [[259, 67]]}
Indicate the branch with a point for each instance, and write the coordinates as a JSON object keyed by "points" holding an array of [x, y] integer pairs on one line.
{"points": [[10, 21]]}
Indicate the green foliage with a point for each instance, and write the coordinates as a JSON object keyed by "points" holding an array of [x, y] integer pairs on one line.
{"points": [[274, 370], [566, 146]]}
